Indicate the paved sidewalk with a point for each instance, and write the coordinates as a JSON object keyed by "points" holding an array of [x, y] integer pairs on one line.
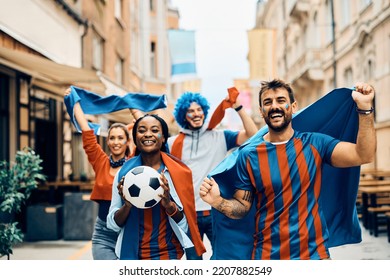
{"points": [[371, 248]]}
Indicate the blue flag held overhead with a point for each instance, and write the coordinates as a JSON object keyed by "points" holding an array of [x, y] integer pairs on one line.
{"points": [[334, 115], [182, 53], [94, 104]]}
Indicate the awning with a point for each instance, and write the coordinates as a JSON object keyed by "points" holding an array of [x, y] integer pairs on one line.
{"points": [[55, 78], [49, 75]]}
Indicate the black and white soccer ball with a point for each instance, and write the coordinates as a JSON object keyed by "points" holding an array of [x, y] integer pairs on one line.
{"points": [[142, 187]]}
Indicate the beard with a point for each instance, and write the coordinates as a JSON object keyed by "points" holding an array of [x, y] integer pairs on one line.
{"points": [[281, 126], [197, 126]]}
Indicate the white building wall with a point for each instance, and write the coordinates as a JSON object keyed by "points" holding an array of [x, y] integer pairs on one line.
{"points": [[145, 27], [161, 31], [45, 27]]}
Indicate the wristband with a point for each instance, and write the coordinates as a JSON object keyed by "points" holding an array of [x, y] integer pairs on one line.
{"points": [[238, 108], [174, 212], [364, 112]]}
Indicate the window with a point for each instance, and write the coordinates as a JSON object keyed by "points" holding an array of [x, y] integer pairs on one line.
{"points": [[303, 41], [97, 51], [315, 36], [43, 132], [364, 3], [134, 50], [348, 77], [151, 5], [331, 85], [119, 71], [329, 35], [118, 9], [345, 13], [370, 70], [153, 70], [80, 162], [43, 108], [135, 56]]}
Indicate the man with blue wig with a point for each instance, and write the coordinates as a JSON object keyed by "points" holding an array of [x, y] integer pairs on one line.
{"points": [[202, 147]]}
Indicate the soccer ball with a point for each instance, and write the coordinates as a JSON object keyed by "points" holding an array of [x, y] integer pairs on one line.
{"points": [[142, 187]]}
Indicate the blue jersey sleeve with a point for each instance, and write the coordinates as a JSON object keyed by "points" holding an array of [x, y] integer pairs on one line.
{"points": [[325, 144], [242, 180], [231, 139]]}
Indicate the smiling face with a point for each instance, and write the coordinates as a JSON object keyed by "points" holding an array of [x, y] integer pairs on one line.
{"points": [[118, 141], [277, 109], [149, 135], [195, 116]]}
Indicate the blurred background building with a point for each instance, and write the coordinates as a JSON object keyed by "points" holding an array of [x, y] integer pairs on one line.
{"points": [[319, 45], [107, 47]]}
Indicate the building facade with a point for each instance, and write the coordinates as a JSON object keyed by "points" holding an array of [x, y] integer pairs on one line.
{"points": [[40, 55], [319, 45], [107, 47]]}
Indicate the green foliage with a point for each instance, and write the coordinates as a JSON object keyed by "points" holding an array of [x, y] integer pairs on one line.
{"points": [[10, 235], [19, 179]]}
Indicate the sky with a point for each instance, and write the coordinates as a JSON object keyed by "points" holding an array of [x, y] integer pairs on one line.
{"points": [[221, 41]]}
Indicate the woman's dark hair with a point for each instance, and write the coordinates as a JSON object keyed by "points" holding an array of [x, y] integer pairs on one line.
{"points": [[124, 128], [164, 126]]}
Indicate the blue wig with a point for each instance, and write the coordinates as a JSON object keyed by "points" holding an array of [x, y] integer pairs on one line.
{"points": [[184, 102]]}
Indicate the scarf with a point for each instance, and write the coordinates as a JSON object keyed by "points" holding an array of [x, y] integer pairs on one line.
{"points": [[94, 104], [117, 163], [182, 179]]}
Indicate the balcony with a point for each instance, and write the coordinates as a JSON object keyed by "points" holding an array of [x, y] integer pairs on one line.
{"points": [[307, 67]]}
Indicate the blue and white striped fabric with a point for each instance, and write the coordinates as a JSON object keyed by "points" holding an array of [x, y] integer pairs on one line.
{"points": [[182, 52], [94, 104]]}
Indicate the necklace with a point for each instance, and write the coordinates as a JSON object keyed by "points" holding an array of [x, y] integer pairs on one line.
{"points": [[117, 163]]}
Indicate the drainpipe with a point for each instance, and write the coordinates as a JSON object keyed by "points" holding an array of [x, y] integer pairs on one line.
{"points": [[285, 40], [333, 44], [86, 25]]}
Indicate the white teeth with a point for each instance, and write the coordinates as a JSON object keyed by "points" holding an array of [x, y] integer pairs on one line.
{"points": [[276, 115]]}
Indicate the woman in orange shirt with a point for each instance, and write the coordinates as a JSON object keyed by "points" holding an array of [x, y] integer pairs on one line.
{"points": [[105, 167]]}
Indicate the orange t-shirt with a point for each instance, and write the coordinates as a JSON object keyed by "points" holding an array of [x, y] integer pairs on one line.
{"points": [[100, 162]]}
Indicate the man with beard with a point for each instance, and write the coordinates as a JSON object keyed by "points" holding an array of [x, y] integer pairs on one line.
{"points": [[282, 173], [201, 147]]}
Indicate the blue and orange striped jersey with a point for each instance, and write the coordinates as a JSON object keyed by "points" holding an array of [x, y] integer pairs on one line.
{"points": [[286, 180], [157, 239]]}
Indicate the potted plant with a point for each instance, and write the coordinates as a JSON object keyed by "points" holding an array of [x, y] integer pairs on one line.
{"points": [[10, 235], [17, 181]]}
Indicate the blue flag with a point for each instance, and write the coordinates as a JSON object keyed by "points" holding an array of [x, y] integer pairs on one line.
{"points": [[182, 53], [94, 104], [334, 115]]}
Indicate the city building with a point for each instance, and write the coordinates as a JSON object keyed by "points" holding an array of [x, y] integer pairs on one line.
{"points": [[106, 47], [319, 45]]}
